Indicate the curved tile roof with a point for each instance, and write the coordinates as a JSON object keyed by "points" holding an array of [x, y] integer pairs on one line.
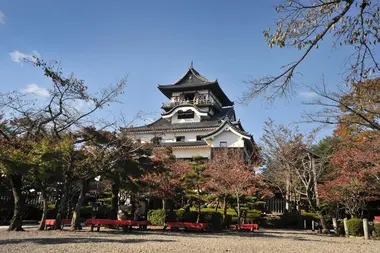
{"points": [[227, 113]]}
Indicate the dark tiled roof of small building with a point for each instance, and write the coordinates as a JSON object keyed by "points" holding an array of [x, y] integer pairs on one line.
{"points": [[183, 144], [227, 113]]}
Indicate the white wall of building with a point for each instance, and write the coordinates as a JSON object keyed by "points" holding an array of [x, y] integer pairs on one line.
{"points": [[170, 137], [190, 152], [197, 117], [233, 140]]}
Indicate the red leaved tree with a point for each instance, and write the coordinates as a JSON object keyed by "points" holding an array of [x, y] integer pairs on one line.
{"points": [[229, 174], [356, 179], [166, 176]]}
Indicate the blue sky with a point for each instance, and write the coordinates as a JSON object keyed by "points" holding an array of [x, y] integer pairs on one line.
{"points": [[153, 42]]}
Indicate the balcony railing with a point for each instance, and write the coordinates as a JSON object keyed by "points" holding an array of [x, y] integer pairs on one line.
{"points": [[189, 102]]}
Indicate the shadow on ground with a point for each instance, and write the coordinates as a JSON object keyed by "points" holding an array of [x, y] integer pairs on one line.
{"points": [[47, 240], [285, 234]]}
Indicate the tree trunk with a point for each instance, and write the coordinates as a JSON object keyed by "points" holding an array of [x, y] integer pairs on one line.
{"points": [[62, 205], [44, 210], [115, 198], [287, 194], [75, 222], [198, 205], [315, 181], [225, 210], [217, 206], [238, 210], [322, 218], [16, 222]]}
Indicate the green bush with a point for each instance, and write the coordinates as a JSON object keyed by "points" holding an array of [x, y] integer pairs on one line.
{"points": [[355, 227], [376, 228], [215, 219], [227, 220], [180, 213], [157, 217]]}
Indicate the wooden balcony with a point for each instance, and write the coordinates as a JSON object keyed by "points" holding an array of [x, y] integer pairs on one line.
{"points": [[197, 102]]}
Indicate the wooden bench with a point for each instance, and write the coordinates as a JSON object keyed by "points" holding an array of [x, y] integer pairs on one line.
{"points": [[250, 227], [128, 224], [186, 225], [51, 223]]}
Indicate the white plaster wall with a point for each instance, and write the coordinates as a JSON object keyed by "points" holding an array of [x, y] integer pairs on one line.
{"points": [[233, 140], [170, 137], [196, 118], [190, 152]]}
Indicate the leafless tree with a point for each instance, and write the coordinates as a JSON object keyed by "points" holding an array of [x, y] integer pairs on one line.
{"points": [[304, 24]]}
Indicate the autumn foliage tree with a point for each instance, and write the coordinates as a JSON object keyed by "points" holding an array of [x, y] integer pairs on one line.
{"points": [[356, 178], [165, 178], [230, 174]]}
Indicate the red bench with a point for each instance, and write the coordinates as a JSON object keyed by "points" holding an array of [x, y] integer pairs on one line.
{"points": [[124, 223], [250, 227], [376, 219], [51, 223], [177, 225]]}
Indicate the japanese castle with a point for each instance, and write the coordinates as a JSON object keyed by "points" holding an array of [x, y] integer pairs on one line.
{"points": [[198, 118]]}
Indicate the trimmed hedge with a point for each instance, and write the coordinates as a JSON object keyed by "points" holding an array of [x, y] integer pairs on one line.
{"points": [[157, 217], [215, 219], [355, 227], [376, 228]]}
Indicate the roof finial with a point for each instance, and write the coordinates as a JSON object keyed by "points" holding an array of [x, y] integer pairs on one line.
{"points": [[191, 64]]}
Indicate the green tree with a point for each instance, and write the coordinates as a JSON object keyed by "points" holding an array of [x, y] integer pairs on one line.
{"points": [[195, 180], [46, 171]]}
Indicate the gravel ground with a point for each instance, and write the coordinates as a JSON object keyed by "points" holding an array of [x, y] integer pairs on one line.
{"points": [[156, 241]]}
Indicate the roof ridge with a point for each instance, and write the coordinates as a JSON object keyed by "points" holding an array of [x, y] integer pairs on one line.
{"points": [[196, 74]]}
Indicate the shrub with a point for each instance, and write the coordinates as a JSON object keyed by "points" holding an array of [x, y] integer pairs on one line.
{"points": [[227, 220], [157, 217], [376, 228], [215, 219], [179, 213], [355, 227]]}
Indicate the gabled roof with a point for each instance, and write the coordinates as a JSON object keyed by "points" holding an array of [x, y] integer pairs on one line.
{"points": [[192, 76], [192, 80], [227, 113], [234, 128]]}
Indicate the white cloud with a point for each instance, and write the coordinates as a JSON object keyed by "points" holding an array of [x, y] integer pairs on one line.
{"points": [[19, 57], [2, 17], [37, 90], [307, 94]]}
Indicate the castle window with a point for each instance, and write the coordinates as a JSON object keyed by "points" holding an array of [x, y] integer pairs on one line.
{"points": [[180, 138], [199, 138], [189, 114], [156, 140], [223, 144]]}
